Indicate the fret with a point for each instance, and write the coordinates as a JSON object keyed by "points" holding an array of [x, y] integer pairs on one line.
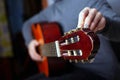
{"points": [[49, 50]]}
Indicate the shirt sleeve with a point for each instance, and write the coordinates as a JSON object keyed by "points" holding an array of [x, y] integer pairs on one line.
{"points": [[112, 28]]}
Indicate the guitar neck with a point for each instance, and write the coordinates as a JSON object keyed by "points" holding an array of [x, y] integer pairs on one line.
{"points": [[50, 49]]}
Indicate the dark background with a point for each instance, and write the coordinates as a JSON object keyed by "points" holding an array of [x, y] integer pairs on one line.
{"points": [[20, 66]]}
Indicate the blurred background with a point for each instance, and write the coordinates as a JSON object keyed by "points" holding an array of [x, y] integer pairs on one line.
{"points": [[15, 63]]}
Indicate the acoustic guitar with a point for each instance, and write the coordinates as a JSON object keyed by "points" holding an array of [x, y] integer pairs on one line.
{"points": [[77, 45]]}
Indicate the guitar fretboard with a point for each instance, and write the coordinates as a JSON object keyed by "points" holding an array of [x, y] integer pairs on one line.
{"points": [[50, 49]]}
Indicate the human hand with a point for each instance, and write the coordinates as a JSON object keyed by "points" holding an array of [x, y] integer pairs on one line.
{"points": [[92, 19], [32, 51]]}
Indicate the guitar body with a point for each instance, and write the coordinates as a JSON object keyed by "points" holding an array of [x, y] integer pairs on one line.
{"points": [[45, 33]]}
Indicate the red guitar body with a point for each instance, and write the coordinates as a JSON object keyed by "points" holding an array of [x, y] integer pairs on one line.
{"points": [[45, 33]]}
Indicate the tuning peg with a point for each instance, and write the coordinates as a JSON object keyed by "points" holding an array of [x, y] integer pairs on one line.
{"points": [[87, 61], [91, 60], [82, 61], [70, 32], [76, 61], [66, 33], [70, 61], [78, 28], [73, 30]]}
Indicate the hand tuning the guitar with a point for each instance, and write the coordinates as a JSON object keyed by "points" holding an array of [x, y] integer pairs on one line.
{"points": [[92, 19]]}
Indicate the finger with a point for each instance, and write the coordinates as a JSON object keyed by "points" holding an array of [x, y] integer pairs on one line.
{"points": [[82, 16], [101, 25], [90, 17], [32, 51], [95, 21], [34, 55]]}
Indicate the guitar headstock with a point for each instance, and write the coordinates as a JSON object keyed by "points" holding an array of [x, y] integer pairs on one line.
{"points": [[79, 45]]}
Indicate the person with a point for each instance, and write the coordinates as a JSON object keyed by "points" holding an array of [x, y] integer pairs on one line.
{"points": [[96, 15]]}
